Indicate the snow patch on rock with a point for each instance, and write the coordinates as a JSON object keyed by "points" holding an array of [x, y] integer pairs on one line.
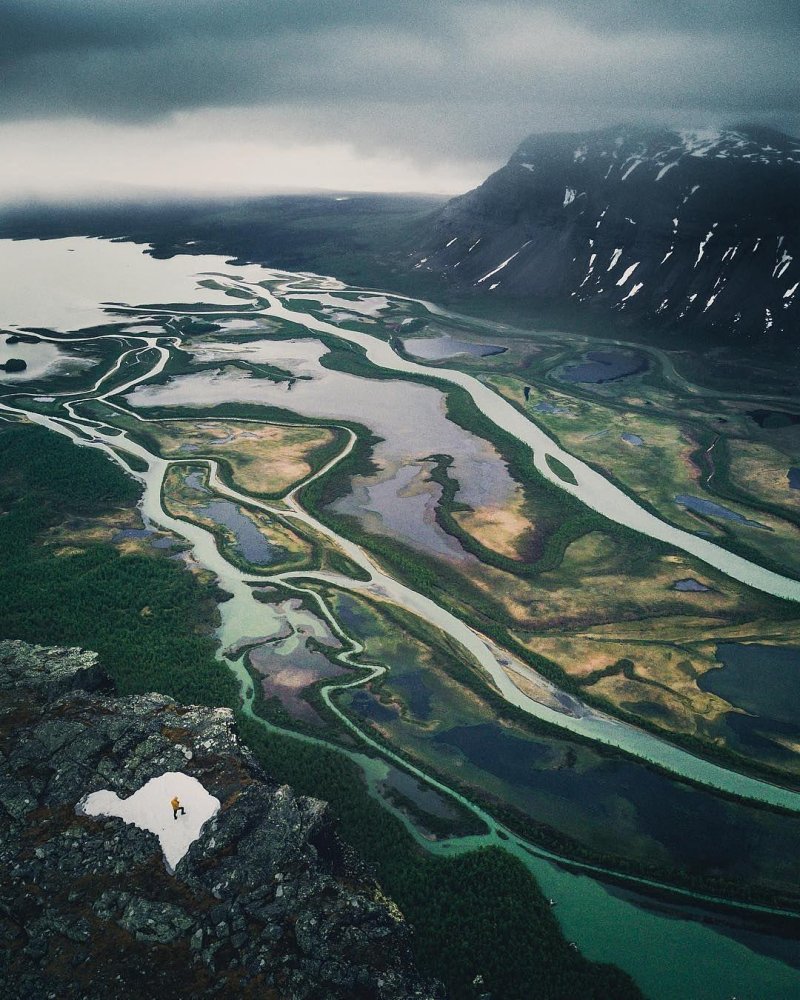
{"points": [[702, 247], [636, 288], [636, 162], [782, 264], [664, 170], [628, 272], [149, 809], [505, 263]]}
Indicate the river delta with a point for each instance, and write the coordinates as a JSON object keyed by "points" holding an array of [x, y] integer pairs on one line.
{"points": [[458, 577]]}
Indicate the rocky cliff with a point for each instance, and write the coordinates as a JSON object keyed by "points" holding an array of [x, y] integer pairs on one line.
{"points": [[691, 231], [267, 902]]}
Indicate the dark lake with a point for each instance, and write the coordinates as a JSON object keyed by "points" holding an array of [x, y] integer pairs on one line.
{"points": [[773, 419], [420, 794], [509, 757], [436, 348], [690, 585], [250, 543], [369, 707], [415, 691], [695, 828], [354, 617], [755, 735], [605, 366], [702, 506], [762, 680], [793, 476]]}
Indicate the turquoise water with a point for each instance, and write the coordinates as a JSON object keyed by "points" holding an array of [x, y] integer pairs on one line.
{"points": [[676, 952]]}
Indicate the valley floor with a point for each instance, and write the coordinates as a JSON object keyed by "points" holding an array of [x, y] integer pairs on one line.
{"points": [[462, 645]]}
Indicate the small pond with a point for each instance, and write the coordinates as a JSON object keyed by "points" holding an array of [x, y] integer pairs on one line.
{"points": [[690, 586], [195, 482], [793, 475], [702, 506], [604, 366], [250, 542], [544, 407], [773, 419], [437, 348], [365, 704]]}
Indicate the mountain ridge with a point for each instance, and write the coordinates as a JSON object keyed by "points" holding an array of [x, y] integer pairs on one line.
{"points": [[696, 229]]}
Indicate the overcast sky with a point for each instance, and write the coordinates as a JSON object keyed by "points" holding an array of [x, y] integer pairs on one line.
{"points": [[104, 96]]}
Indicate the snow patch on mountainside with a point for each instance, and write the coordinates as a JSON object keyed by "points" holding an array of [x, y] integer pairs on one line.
{"points": [[665, 169], [695, 215], [505, 263], [636, 288], [628, 272]]}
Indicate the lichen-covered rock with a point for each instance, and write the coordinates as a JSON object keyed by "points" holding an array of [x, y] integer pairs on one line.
{"points": [[51, 670], [266, 903]]}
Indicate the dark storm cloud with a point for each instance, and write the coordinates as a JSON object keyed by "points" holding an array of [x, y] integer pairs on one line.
{"points": [[142, 59], [415, 76], [759, 17]]}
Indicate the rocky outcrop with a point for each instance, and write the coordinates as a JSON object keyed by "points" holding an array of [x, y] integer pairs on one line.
{"points": [[268, 902], [689, 231]]}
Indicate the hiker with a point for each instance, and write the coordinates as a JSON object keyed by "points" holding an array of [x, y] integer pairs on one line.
{"points": [[177, 807]]}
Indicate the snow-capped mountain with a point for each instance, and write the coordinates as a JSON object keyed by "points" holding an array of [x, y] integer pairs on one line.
{"points": [[693, 228]]}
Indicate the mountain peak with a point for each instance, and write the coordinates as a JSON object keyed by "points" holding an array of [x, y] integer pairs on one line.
{"points": [[662, 148], [664, 228]]}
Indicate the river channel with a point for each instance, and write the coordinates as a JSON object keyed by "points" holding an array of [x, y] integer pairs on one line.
{"points": [[675, 951]]}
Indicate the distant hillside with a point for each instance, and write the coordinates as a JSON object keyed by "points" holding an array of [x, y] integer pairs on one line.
{"points": [[693, 230], [691, 238]]}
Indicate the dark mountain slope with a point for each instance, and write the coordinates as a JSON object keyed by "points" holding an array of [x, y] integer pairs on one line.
{"points": [[267, 903], [691, 230]]}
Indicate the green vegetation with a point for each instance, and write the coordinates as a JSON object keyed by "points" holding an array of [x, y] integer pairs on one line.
{"points": [[574, 833], [559, 521], [561, 470], [480, 914], [340, 563], [717, 480], [145, 615], [563, 518]]}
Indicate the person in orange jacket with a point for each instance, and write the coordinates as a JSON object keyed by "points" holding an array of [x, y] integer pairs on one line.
{"points": [[177, 807]]}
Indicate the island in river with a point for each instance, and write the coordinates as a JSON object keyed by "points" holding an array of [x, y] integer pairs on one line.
{"points": [[520, 643]]}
